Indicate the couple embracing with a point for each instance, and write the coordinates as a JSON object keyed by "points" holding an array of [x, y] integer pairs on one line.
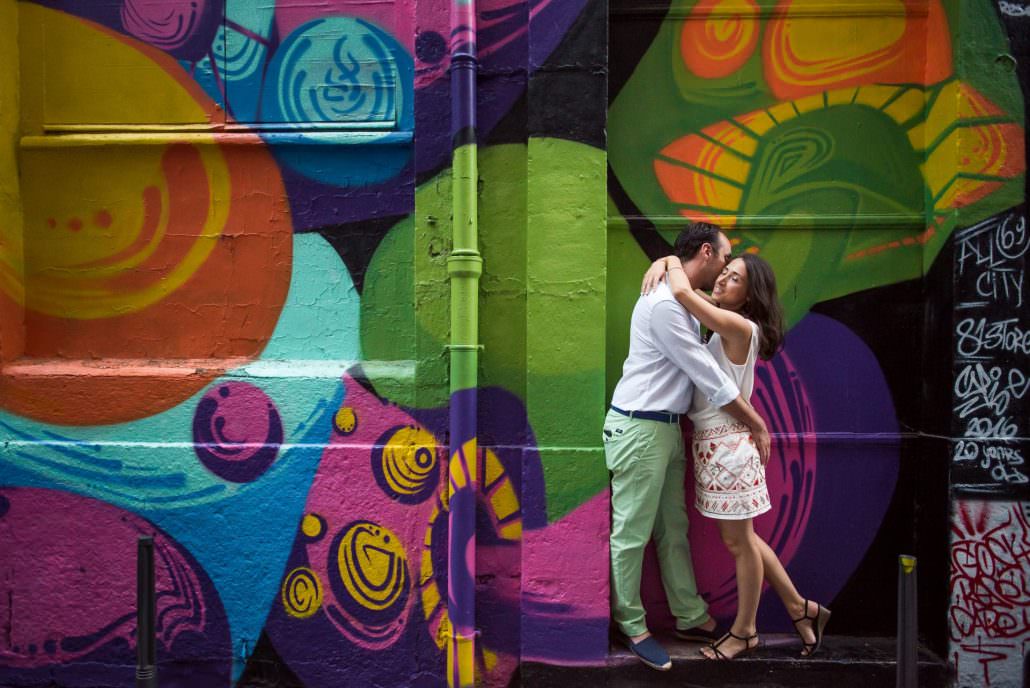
{"points": [[670, 372]]}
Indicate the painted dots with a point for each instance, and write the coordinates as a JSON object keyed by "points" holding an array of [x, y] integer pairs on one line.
{"points": [[102, 219], [346, 421], [313, 526]]}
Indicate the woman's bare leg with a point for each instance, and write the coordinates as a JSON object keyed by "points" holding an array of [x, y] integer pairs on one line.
{"points": [[784, 587], [742, 542]]}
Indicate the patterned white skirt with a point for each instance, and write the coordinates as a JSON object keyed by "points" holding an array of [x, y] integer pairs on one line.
{"points": [[729, 478]]}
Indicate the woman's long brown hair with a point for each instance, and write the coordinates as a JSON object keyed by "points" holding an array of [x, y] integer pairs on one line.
{"points": [[763, 304]]}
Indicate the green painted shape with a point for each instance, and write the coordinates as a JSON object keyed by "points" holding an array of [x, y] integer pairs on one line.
{"points": [[649, 113], [573, 477], [814, 167], [978, 39], [857, 167], [388, 332], [565, 291], [542, 332], [502, 288], [626, 267], [565, 314]]}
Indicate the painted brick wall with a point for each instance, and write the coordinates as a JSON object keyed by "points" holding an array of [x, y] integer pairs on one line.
{"points": [[224, 314]]}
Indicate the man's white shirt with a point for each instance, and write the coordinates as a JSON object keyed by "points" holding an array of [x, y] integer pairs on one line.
{"points": [[667, 359]]}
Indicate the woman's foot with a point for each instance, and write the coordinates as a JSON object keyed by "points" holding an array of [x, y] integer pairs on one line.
{"points": [[809, 624], [730, 645]]}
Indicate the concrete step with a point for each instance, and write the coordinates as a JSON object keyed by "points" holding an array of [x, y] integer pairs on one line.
{"points": [[842, 662]]}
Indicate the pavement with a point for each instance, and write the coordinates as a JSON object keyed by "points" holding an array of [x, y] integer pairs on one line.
{"points": [[842, 662]]}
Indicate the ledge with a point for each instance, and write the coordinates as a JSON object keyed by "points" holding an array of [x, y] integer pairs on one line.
{"points": [[182, 368], [902, 221], [806, 10], [219, 137], [843, 662]]}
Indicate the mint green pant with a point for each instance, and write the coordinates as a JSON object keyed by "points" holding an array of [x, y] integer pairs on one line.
{"points": [[648, 468]]}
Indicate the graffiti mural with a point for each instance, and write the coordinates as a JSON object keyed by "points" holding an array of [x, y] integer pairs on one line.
{"points": [[988, 603], [225, 301], [990, 592], [992, 353], [216, 345]]}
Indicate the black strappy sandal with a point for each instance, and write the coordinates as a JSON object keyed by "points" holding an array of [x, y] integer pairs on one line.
{"points": [[819, 621], [719, 655]]}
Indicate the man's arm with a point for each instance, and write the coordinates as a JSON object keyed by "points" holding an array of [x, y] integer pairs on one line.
{"points": [[680, 343]]}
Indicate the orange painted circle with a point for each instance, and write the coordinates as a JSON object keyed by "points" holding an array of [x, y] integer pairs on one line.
{"points": [[148, 270], [221, 316], [719, 37]]}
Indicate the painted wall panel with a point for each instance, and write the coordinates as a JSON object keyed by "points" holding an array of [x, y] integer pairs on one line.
{"points": [[224, 232]]}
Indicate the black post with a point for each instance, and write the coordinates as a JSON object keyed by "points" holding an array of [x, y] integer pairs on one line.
{"points": [[908, 658], [146, 664]]}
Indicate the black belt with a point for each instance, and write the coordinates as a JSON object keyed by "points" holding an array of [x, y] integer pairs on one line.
{"points": [[660, 416]]}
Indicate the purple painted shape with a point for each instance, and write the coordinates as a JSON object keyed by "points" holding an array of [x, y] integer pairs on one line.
{"points": [[497, 91], [463, 416], [461, 585], [314, 205], [71, 582], [857, 476], [237, 431], [184, 30]]}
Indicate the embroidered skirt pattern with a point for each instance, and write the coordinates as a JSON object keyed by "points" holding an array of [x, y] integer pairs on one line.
{"points": [[728, 474]]}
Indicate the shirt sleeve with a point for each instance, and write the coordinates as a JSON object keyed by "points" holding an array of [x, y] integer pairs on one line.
{"points": [[680, 343]]}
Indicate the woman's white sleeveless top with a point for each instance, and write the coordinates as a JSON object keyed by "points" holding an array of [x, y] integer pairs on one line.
{"points": [[702, 413]]}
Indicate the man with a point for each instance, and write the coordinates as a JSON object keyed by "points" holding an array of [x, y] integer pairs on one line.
{"points": [[644, 447]]}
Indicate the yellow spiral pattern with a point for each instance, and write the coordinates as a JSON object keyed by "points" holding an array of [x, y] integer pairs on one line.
{"points": [[302, 593], [409, 460], [373, 568]]}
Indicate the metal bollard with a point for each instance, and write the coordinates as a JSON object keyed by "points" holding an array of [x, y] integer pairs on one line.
{"points": [[146, 664], [908, 650]]}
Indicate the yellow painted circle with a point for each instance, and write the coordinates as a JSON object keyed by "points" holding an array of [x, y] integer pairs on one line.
{"points": [[373, 567], [311, 526], [301, 593], [346, 420], [409, 460]]}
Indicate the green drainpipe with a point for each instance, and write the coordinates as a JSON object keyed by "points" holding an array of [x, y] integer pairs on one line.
{"points": [[464, 267]]}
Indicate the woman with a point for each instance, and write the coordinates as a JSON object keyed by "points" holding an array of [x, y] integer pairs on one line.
{"points": [[746, 318]]}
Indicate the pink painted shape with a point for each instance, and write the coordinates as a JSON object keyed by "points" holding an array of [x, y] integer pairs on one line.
{"points": [[567, 561], [345, 490], [565, 566], [70, 571], [165, 23]]}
